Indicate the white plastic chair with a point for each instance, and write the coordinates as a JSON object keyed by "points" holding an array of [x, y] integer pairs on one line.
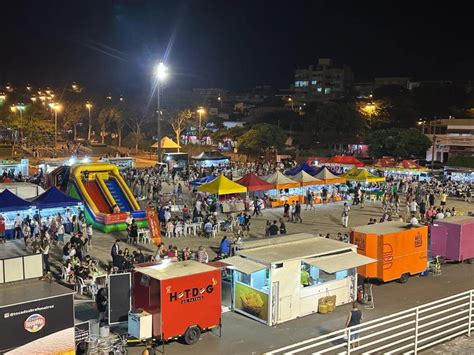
{"points": [[215, 230], [80, 285]]}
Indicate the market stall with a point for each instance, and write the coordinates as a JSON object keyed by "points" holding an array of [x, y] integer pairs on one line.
{"points": [[53, 201], [453, 238], [288, 279], [401, 250], [256, 188], [222, 186], [37, 317], [344, 162], [178, 299], [331, 184], [302, 167], [307, 183], [210, 159], [201, 181], [398, 170], [10, 206], [14, 167], [284, 189]]}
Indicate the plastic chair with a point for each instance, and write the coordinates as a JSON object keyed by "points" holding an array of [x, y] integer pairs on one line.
{"points": [[214, 231], [80, 285]]}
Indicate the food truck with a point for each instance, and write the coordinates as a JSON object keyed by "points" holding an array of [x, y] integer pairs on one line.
{"points": [[401, 250], [183, 299], [289, 277], [453, 238]]}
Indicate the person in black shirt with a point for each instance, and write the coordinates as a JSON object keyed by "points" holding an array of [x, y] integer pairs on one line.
{"points": [[298, 212], [134, 232], [286, 210], [101, 303], [354, 318], [282, 226], [273, 229], [119, 261]]}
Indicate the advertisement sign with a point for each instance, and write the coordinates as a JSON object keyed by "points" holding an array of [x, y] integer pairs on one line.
{"points": [[251, 301], [119, 293], [26, 327], [153, 225], [81, 332]]}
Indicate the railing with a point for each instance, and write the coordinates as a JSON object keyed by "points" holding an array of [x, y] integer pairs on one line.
{"points": [[406, 332]]}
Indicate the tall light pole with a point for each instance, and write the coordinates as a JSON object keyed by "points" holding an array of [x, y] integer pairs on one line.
{"points": [[55, 107], [89, 130], [161, 72], [433, 147], [200, 111], [291, 101]]}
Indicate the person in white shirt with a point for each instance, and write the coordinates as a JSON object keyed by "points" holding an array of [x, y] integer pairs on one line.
{"points": [[17, 227], [413, 207], [345, 215], [414, 221], [439, 215]]}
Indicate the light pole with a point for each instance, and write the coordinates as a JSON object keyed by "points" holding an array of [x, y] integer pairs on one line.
{"points": [[20, 108], [88, 107], [161, 72], [433, 147], [291, 101], [55, 107], [200, 111]]}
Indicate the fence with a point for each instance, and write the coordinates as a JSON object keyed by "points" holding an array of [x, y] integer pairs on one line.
{"points": [[407, 332]]}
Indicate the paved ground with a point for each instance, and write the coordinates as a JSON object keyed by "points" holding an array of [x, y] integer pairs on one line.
{"points": [[462, 345]]}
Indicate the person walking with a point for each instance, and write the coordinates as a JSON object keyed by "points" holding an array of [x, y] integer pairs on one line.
{"points": [[353, 319], [298, 213], [45, 251], [345, 215]]}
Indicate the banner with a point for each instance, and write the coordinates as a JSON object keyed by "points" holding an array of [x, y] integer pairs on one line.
{"points": [[153, 225], [119, 297], [251, 301]]}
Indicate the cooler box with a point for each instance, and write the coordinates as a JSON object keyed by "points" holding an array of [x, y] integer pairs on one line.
{"points": [[140, 325]]}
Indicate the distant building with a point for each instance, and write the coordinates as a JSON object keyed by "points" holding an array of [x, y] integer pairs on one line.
{"points": [[363, 90], [322, 82], [404, 82], [454, 137]]}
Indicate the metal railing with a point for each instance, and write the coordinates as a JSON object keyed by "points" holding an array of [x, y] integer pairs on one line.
{"points": [[407, 332]]}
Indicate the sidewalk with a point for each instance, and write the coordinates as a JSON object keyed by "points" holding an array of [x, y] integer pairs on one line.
{"points": [[462, 345]]}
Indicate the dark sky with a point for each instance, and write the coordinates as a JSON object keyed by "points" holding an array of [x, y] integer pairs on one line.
{"points": [[229, 43]]}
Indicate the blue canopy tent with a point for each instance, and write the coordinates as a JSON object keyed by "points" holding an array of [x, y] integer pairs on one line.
{"points": [[11, 202], [304, 166], [200, 181], [54, 198]]}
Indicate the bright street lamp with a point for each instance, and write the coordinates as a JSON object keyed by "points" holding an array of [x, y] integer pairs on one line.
{"points": [[55, 107], [200, 111], [88, 107], [290, 100], [161, 73]]}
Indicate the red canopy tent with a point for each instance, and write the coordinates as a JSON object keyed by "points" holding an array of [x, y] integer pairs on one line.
{"points": [[385, 162], [253, 183], [344, 160], [409, 164]]}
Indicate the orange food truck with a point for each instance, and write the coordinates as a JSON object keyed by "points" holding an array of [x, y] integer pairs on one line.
{"points": [[401, 250], [182, 299]]}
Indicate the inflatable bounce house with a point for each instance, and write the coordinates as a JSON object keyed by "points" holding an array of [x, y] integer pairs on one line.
{"points": [[106, 196]]}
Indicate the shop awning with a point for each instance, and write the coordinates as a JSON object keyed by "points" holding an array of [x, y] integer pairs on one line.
{"points": [[344, 261], [222, 186], [244, 265]]}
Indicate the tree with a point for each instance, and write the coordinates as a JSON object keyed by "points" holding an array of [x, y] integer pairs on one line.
{"points": [[72, 115], [260, 138], [135, 120], [398, 142], [179, 121], [107, 116]]}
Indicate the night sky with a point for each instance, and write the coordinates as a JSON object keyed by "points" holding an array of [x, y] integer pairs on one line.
{"points": [[227, 43]]}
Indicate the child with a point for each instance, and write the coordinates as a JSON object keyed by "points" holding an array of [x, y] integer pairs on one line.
{"points": [[60, 234], [89, 234]]}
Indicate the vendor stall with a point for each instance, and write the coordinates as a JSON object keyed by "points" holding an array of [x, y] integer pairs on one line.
{"points": [[279, 282], [181, 298], [398, 170], [453, 238], [54, 202], [210, 159], [256, 188], [399, 248], [344, 161], [302, 167], [36, 317], [362, 176], [10, 206], [284, 189], [222, 186], [14, 167], [201, 181]]}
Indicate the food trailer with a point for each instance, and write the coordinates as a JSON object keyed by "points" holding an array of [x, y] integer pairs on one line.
{"points": [[453, 238], [287, 279], [36, 317], [401, 250], [183, 299]]}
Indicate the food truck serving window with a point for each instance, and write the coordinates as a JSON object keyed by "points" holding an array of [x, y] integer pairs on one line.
{"points": [[311, 275]]}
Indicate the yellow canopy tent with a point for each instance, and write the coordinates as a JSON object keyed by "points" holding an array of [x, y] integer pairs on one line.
{"points": [[363, 176], [222, 186], [329, 178], [166, 143]]}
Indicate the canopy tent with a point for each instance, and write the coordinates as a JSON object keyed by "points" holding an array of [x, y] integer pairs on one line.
{"points": [[203, 180], [410, 165], [328, 177], [166, 143], [305, 179], [222, 186], [387, 163], [344, 160], [11, 202], [362, 175], [280, 181], [253, 183], [212, 155], [302, 167], [54, 198], [384, 162]]}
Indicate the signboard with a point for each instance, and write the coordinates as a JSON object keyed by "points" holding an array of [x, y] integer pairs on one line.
{"points": [[43, 326], [119, 297], [251, 301], [153, 225], [82, 332]]}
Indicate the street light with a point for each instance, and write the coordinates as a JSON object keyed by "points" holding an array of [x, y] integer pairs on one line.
{"points": [[34, 98], [291, 101], [55, 107], [161, 73], [20, 108], [200, 111], [89, 107]]}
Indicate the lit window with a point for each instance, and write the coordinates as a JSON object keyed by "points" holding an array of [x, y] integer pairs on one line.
{"points": [[327, 90], [314, 82], [319, 89]]}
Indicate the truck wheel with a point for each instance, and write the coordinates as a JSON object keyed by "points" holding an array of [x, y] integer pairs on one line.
{"points": [[192, 335], [404, 278]]}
